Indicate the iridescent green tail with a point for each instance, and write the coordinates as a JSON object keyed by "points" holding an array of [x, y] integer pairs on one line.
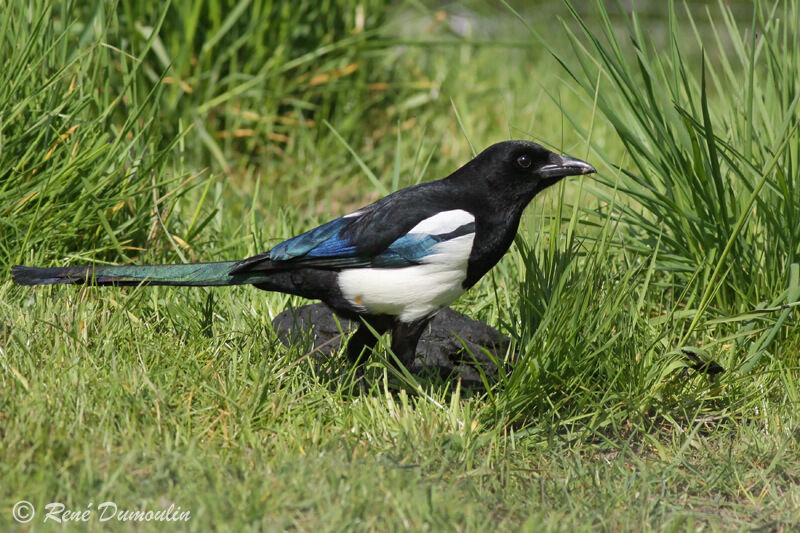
{"points": [[192, 274]]}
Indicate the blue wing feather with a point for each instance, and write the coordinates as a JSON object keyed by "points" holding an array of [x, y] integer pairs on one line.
{"points": [[326, 247], [334, 246], [321, 241], [408, 250]]}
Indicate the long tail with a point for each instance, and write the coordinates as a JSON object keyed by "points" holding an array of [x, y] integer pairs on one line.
{"points": [[192, 274]]}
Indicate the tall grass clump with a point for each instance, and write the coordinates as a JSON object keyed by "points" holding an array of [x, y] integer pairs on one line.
{"points": [[250, 74], [111, 112], [593, 347], [84, 164], [709, 118], [703, 260]]}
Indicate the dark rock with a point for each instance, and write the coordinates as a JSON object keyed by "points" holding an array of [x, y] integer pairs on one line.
{"points": [[441, 348]]}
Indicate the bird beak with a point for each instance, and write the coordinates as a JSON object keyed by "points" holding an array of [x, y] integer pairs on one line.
{"points": [[566, 166]]}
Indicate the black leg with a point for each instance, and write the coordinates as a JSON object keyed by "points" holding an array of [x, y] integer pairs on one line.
{"points": [[405, 336], [363, 339]]}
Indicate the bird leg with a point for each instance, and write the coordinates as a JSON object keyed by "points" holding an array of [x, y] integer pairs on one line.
{"points": [[364, 338], [405, 336]]}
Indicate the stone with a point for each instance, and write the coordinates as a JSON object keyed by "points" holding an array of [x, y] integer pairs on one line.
{"points": [[441, 348]]}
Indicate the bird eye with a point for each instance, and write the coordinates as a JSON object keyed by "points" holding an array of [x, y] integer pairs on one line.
{"points": [[524, 161]]}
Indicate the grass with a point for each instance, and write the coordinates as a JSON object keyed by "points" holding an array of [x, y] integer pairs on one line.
{"points": [[210, 131]]}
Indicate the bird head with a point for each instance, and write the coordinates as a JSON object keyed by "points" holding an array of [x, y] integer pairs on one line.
{"points": [[521, 169]]}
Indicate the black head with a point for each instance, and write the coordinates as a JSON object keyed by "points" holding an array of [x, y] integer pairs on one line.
{"points": [[518, 170]]}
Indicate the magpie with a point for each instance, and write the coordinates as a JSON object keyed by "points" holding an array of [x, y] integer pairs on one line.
{"points": [[391, 264]]}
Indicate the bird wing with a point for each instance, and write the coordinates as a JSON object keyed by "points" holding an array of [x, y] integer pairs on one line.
{"points": [[390, 233]]}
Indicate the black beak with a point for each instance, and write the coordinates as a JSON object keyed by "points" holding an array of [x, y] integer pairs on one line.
{"points": [[565, 166]]}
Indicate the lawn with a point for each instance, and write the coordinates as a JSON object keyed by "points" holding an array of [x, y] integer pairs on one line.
{"points": [[652, 379]]}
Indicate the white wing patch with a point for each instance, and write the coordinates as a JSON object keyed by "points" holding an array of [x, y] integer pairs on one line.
{"points": [[414, 292], [443, 222]]}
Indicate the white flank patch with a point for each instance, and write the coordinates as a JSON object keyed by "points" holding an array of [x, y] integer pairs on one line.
{"points": [[414, 292], [443, 222]]}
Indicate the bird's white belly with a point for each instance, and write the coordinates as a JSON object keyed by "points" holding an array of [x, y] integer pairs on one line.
{"points": [[413, 292]]}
